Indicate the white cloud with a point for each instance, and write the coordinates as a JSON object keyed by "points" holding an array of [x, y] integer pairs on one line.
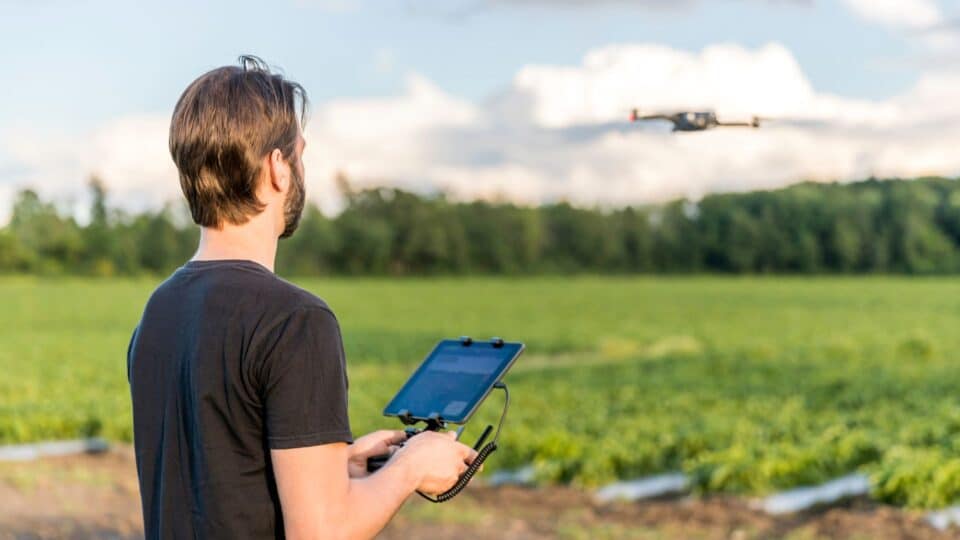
{"points": [[129, 154], [922, 19], [7, 195], [378, 141], [612, 80], [917, 14], [561, 132]]}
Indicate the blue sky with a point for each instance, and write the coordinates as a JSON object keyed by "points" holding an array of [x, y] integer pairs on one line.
{"points": [[72, 64], [74, 67]]}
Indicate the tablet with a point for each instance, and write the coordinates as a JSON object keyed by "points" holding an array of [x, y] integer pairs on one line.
{"points": [[453, 380]]}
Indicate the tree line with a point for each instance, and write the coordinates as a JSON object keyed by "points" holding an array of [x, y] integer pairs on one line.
{"points": [[873, 226]]}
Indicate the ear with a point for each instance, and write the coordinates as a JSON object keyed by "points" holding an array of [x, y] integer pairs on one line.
{"points": [[279, 171]]}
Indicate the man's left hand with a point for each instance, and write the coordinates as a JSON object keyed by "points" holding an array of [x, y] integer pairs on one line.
{"points": [[384, 441]]}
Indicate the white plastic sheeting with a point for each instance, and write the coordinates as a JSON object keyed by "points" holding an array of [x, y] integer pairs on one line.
{"points": [[26, 452], [944, 519], [796, 500], [523, 477], [644, 488]]}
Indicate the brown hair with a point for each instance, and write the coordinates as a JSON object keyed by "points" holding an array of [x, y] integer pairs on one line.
{"points": [[223, 126]]}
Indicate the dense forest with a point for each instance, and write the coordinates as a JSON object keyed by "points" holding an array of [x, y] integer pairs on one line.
{"points": [[892, 226]]}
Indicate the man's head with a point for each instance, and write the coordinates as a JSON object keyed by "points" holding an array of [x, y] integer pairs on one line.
{"points": [[236, 139]]}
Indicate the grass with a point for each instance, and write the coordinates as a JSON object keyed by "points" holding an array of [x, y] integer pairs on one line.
{"points": [[748, 384]]}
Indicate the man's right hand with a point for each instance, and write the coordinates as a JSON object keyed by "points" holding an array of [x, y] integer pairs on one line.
{"points": [[437, 458], [320, 500]]}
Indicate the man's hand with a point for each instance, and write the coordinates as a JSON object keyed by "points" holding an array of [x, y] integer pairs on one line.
{"points": [[377, 443], [439, 459]]}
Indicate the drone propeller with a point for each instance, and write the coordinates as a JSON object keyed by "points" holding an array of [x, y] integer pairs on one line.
{"points": [[636, 116], [807, 123]]}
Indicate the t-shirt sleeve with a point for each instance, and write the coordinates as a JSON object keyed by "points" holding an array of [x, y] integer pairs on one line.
{"points": [[304, 382], [133, 337]]}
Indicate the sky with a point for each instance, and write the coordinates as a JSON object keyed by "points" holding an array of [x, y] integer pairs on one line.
{"points": [[524, 100]]}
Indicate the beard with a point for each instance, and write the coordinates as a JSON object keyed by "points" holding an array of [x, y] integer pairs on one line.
{"points": [[293, 205]]}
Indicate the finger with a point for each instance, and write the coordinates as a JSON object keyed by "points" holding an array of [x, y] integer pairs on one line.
{"points": [[390, 435], [451, 434], [380, 447], [469, 454]]}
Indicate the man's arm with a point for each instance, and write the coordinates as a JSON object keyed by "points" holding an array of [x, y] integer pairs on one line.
{"points": [[320, 500]]}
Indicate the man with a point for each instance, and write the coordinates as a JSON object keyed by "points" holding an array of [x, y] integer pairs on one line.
{"points": [[237, 377]]}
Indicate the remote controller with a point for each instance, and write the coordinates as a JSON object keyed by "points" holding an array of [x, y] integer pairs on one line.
{"points": [[474, 369]]}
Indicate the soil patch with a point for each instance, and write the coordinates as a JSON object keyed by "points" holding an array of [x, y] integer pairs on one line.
{"points": [[95, 496]]}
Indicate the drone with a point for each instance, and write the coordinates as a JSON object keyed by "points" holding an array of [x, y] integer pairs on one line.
{"points": [[693, 121]]}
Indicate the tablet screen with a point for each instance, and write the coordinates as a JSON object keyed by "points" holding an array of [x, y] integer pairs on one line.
{"points": [[453, 380]]}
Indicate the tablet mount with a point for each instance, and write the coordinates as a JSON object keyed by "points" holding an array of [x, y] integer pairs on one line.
{"points": [[435, 422]]}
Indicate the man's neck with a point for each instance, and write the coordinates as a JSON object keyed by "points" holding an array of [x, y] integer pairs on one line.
{"points": [[252, 241]]}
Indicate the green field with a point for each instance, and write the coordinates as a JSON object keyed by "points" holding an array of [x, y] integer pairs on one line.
{"points": [[749, 384]]}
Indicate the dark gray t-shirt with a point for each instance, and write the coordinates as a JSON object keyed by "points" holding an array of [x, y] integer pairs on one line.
{"points": [[228, 362]]}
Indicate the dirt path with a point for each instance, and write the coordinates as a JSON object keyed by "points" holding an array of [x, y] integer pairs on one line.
{"points": [[87, 496], [96, 497]]}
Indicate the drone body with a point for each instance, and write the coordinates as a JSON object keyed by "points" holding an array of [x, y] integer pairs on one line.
{"points": [[693, 121]]}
